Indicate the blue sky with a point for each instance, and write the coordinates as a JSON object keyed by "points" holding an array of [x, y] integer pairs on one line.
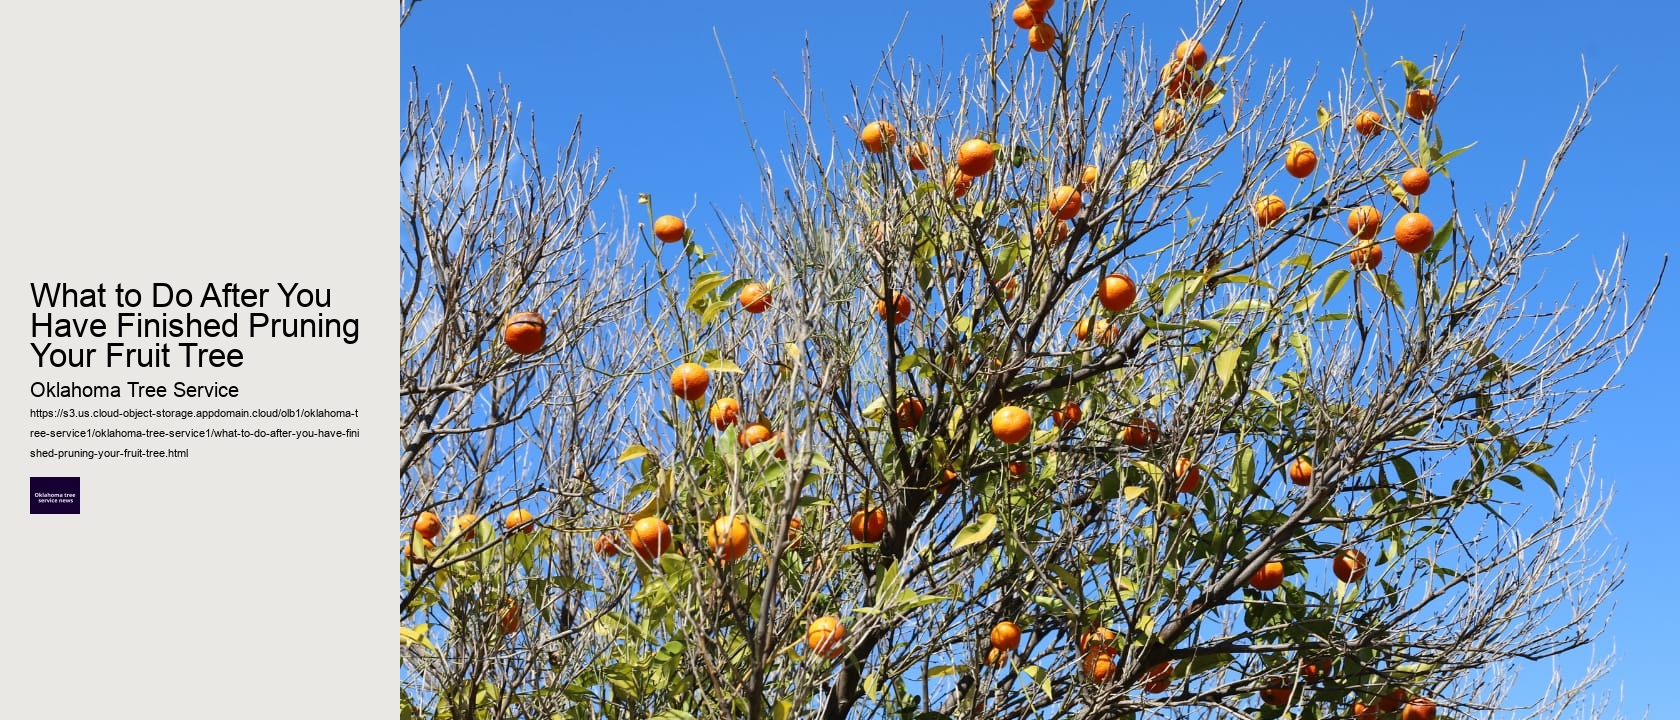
{"points": [[648, 81]]}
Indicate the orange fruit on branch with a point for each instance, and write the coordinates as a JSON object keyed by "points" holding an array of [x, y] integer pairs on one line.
{"points": [[755, 298], [1006, 636], [519, 520], [825, 635], [1169, 123], [1361, 711], [878, 136], [1418, 708], [1367, 256], [900, 308], [1041, 37], [1275, 692], [606, 545], [1300, 471], [1025, 17], [908, 414], [1414, 232], [428, 525], [1116, 292], [523, 332], [975, 157], [650, 537], [1368, 123], [724, 412], [1300, 160], [754, 434], [1065, 202], [669, 228], [1068, 416], [464, 522], [1099, 666], [425, 545], [1192, 53], [1140, 433], [958, 182], [1420, 104], [1349, 566], [868, 525], [1415, 181], [1019, 468], [1088, 178], [919, 153], [689, 381], [508, 620], [1268, 209], [1158, 677], [1364, 222], [729, 537], [1189, 476], [1041, 6], [1268, 577], [1392, 700], [1011, 424]]}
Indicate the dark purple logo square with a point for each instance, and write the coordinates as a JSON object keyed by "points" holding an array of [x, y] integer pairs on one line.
{"points": [[55, 496]]}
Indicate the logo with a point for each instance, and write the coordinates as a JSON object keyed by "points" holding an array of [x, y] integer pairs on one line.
{"points": [[55, 496]]}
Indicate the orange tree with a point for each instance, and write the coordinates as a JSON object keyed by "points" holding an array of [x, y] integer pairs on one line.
{"points": [[1100, 378]]}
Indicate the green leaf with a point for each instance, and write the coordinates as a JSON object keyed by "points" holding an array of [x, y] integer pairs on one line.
{"points": [[1041, 677], [941, 670], [1389, 288], [632, 452], [1540, 471], [1225, 365], [1334, 283], [976, 531], [723, 366]]}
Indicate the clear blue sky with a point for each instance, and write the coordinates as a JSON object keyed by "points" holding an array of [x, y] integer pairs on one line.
{"points": [[649, 84]]}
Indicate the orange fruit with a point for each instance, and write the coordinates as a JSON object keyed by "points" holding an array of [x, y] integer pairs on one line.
{"points": [[1414, 232], [464, 523], [1418, 708], [606, 545], [1415, 181], [1052, 231], [1099, 328], [1392, 701], [1116, 292], [1364, 222], [1008, 286], [724, 412], [689, 381], [1300, 471], [919, 154], [1068, 416], [950, 483], [824, 636], [1011, 424], [1275, 693], [1268, 209], [868, 525], [508, 621], [1100, 666], [1368, 255], [1169, 122], [1040, 6], [793, 534], [1088, 178], [909, 412], [1268, 577], [1420, 104], [1176, 78], [878, 136], [729, 537], [1006, 636], [1025, 17], [1349, 566], [428, 525], [1140, 433], [996, 657], [1189, 476], [1361, 711], [1098, 641], [1019, 468], [958, 182], [520, 519], [1300, 160], [1191, 53], [1065, 202], [426, 548], [1309, 671], [755, 298], [650, 537], [1041, 37], [1368, 123], [523, 332], [1159, 677], [669, 228], [975, 157], [901, 308], [754, 434]]}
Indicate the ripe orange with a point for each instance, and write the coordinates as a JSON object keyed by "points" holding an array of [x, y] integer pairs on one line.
{"points": [[1006, 636], [1268, 209], [426, 548], [919, 153], [669, 228], [1025, 17], [1364, 222], [689, 381], [1041, 37], [1176, 77], [1104, 332], [824, 636], [781, 446], [1191, 53], [1415, 181], [1088, 178], [729, 537], [1368, 123], [1300, 160], [901, 308], [755, 298], [464, 523], [1420, 104], [996, 657], [1116, 292], [1309, 671], [1041, 6], [1159, 677], [1169, 122], [1011, 424], [1008, 286], [650, 537], [1068, 416], [1140, 433], [793, 533], [1349, 566], [428, 525], [975, 157], [1275, 692], [754, 434], [606, 545], [1269, 577], [1052, 231], [1065, 202], [1189, 476], [508, 621], [1392, 700], [724, 412], [1414, 232], [1300, 471], [520, 519], [523, 332], [1361, 711], [1100, 666], [878, 136], [950, 483], [1019, 468], [1368, 255], [909, 412], [868, 525], [1418, 708], [957, 182]]}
